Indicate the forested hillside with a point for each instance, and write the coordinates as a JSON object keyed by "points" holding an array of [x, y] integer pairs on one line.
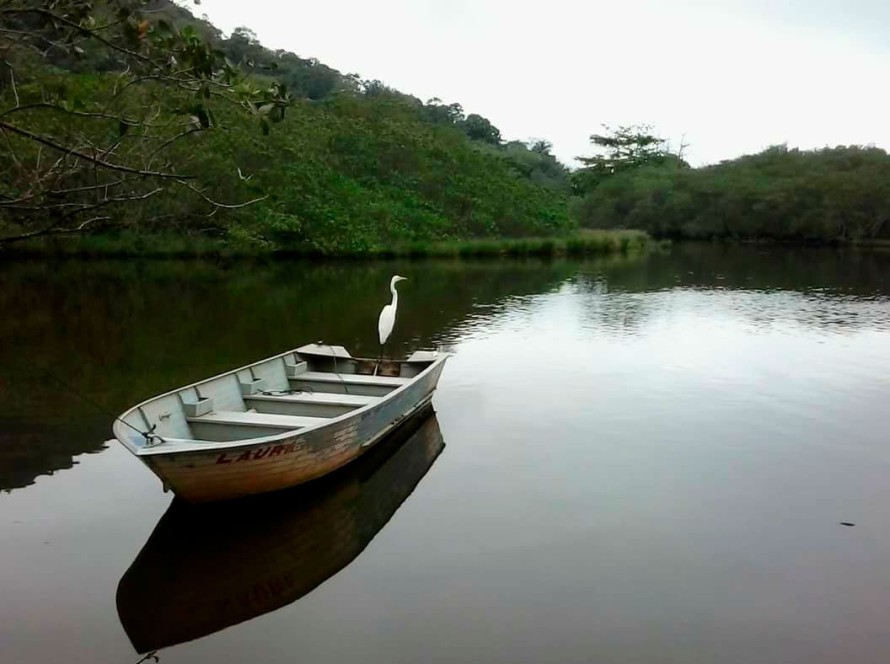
{"points": [[326, 161]]}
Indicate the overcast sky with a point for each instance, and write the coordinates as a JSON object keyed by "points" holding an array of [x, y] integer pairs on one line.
{"points": [[728, 76]]}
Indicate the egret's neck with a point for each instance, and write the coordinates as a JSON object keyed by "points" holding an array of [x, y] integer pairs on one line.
{"points": [[395, 295]]}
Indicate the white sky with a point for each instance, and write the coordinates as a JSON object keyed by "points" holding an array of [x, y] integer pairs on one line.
{"points": [[732, 76]]}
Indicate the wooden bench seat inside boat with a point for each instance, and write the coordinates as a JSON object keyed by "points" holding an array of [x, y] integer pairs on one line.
{"points": [[228, 425], [274, 421], [312, 404], [347, 383]]}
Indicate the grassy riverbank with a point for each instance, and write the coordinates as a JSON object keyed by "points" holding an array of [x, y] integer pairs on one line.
{"points": [[160, 245]]}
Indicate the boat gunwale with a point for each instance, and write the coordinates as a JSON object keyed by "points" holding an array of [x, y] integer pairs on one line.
{"points": [[199, 447]]}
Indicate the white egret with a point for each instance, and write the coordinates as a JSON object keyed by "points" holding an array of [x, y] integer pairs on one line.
{"points": [[388, 315]]}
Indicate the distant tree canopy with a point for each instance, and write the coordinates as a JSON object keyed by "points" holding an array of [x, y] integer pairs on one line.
{"points": [[476, 127], [621, 149], [306, 78], [835, 194], [435, 112], [534, 161], [481, 129]]}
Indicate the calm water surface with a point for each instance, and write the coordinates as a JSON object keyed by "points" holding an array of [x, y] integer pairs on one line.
{"points": [[631, 461]]}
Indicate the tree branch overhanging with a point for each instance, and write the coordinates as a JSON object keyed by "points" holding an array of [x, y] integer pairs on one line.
{"points": [[81, 155], [54, 172], [88, 32]]}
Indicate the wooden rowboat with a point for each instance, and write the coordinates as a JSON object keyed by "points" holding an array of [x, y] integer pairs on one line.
{"points": [[276, 423], [208, 567]]}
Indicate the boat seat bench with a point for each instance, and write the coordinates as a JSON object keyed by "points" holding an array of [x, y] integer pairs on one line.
{"points": [[310, 404], [235, 417], [321, 398], [351, 379]]}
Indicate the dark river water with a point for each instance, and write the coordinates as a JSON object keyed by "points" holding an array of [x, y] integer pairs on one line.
{"points": [[631, 460]]}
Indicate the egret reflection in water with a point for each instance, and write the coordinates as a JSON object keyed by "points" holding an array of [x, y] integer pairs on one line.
{"points": [[206, 568]]}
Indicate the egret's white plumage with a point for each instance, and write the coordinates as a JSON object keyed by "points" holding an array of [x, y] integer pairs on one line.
{"points": [[388, 315]]}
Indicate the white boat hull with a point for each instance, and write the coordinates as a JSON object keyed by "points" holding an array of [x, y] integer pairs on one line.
{"points": [[206, 471]]}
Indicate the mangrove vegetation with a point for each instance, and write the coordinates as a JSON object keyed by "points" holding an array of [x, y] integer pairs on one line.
{"points": [[133, 127], [837, 194], [127, 115]]}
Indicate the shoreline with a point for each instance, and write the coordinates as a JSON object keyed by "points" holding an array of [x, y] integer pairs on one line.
{"points": [[160, 246]]}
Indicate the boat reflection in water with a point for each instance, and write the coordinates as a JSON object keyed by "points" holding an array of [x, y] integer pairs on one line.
{"points": [[205, 568]]}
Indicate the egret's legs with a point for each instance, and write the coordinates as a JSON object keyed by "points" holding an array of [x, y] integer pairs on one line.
{"points": [[379, 359]]}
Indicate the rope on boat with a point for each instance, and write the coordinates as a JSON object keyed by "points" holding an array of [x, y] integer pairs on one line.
{"points": [[281, 393], [151, 438], [336, 373]]}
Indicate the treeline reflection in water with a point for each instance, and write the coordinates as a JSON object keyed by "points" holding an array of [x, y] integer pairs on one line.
{"points": [[124, 331], [209, 567], [761, 287]]}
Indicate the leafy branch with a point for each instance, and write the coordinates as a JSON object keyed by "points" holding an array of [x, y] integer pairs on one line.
{"points": [[168, 82]]}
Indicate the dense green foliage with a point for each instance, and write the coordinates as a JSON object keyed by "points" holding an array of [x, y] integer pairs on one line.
{"points": [[622, 149], [831, 195], [77, 147], [355, 173], [351, 165], [135, 117], [371, 167]]}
